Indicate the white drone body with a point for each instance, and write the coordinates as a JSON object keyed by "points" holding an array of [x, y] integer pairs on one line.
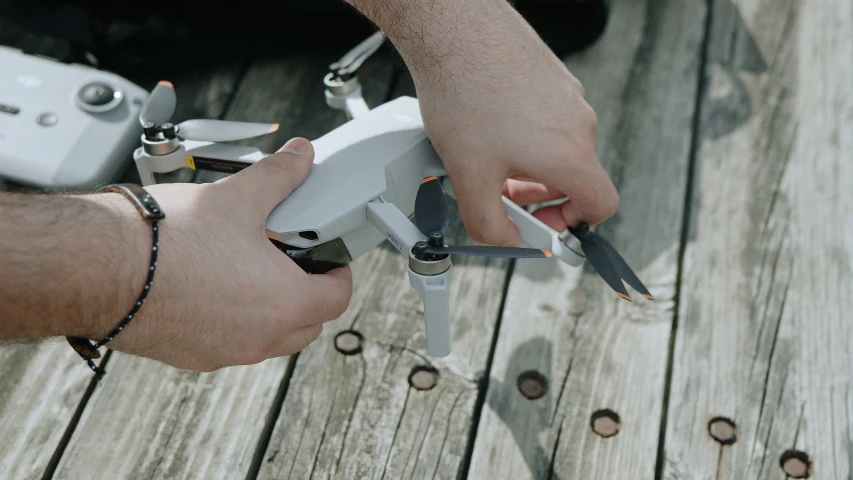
{"points": [[361, 191]]}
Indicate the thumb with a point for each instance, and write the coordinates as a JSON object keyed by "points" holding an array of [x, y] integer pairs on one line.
{"points": [[482, 211], [266, 183]]}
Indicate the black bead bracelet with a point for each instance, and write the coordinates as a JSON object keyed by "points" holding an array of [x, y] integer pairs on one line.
{"points": [[150, 210]]}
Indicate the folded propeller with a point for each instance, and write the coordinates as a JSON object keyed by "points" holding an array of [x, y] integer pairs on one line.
{"points": [[432, 219], [160, 106], [607, 262]]}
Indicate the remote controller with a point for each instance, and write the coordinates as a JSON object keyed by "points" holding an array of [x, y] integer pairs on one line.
{"points": [[64, 126]]}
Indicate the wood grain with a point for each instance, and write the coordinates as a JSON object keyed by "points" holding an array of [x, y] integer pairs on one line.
{"points": [[160, 422], [41, 386], [595, 350], [357, 416], [764, 336]]}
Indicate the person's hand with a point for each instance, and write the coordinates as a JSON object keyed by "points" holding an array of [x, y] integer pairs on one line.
{"points": [[223, 294], [502, 106]]}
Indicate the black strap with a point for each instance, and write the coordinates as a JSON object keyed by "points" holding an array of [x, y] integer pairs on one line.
{"points": [[150, 210]]}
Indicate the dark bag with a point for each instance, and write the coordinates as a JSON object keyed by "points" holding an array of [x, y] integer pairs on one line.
{"points": [[135, 37]]}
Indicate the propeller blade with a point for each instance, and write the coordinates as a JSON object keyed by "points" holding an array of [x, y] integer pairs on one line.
{"points": [[489, 251], [222, 130], [353, 59], [600, 260], [430, 207], [160, 105], [622, 267]]}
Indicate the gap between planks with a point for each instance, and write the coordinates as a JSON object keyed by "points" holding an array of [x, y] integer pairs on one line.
{"points": [[685, 229]]}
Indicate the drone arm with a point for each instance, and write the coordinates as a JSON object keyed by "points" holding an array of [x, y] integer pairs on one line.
{"points": [[346, 96], [355, 106], [391, 222], [537, 234], [146, 175], [214, 157]]}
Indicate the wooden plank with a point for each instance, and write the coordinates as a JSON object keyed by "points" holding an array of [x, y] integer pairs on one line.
{"points": [[594, 350], [43, 384], [169, 423], [356, 416], [764, 337]]}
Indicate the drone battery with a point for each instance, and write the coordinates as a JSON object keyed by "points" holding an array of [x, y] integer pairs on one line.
{"points": [[215, 164], [319, 259]]}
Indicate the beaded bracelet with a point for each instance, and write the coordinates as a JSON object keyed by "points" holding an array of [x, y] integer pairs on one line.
{"points": [[150, 210]]}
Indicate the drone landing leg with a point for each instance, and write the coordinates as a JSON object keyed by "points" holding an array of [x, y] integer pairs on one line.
{"points": [[435, 291], [430, 278]]}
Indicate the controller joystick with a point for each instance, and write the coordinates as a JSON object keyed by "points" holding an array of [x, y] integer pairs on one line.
{"points": [[98, 97]]}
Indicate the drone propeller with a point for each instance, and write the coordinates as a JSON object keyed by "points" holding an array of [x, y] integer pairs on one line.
{"points": [[430, 207], [432, 219], [160, 106], [222, 130], [611, 267], [352, 60]]}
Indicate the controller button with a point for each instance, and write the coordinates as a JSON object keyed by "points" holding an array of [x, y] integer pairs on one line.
{"points": [[47, 119], [9, 109]]}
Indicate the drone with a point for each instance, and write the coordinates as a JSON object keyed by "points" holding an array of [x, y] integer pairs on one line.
{"points": [[375, 178]]}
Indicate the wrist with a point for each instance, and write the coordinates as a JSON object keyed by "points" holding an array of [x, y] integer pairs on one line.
{"points": [[125, 245]]}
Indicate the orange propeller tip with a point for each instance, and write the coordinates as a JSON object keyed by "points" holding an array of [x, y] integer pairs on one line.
{"points": [[649, 296], [547, 253], [273, 128], [626, 297], [166, 83], [428, 179]]}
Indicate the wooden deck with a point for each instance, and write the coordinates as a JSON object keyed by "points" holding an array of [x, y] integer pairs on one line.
{"points": [[728, 129]]}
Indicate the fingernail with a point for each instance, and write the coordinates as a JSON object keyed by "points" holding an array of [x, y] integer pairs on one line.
{"points": [[296, 146]]}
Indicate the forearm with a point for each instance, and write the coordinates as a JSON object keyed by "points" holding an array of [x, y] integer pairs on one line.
{"points": [[71, 265], [445, 41]]}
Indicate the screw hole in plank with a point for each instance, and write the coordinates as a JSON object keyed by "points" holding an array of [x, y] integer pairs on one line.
{"points": [[423, 378], [605, 423], [349, 342], [532, 385], [723, 430], [796, 464]]}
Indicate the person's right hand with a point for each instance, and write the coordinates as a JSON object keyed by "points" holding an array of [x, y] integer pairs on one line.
{"points": [[222, 293]]}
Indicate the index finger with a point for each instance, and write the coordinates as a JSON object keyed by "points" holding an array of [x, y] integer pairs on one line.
{"points": [[592, 197]]}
